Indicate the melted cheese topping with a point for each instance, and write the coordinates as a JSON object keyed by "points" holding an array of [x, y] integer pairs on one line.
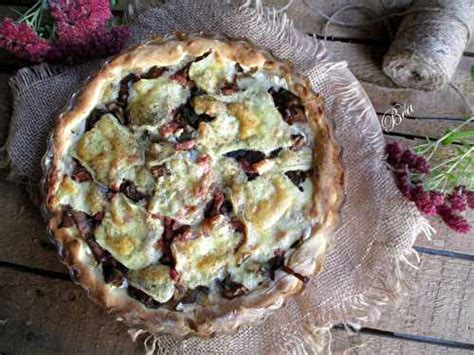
{"points": [[85, 197], [272, 208], [183, 192], [155, 280], [129, 233], [211, 73], [180, 185], [199, 261], [152, 100], [109, 150]]}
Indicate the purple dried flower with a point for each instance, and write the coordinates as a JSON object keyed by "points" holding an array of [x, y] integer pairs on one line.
{"points": [[394, 153], [453, 220], [421, 166], [458, 200], [470, 198], [23, 41], [76, 20], [437, 198], [423, 200]]}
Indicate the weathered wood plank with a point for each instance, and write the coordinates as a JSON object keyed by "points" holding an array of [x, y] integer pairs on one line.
{"points": [[426, 127], [369, 344], [440, 303], [47, 316], [57, 317], [22, 231]]}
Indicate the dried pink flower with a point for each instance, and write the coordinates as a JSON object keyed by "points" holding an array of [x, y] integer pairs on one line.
{"points": [[470, 198], [458, 200], [76, 20], [424, 200], [22, 40], [394, 153], [453, 220]]}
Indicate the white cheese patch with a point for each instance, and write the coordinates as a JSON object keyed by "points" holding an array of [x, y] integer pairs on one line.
{"points": [[85, 196], [183, 192], [151, 101], [261, 126], [109, 150], [274, 211], [129, 233], [211, 73], [154, 280], [261, 80], [199, 261]]}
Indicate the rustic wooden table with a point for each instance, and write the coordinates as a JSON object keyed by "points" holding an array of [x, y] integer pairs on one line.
{"points": [[42, 311]]}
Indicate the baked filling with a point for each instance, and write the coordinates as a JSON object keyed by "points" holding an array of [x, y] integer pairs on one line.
{"points": [[191, 182]]}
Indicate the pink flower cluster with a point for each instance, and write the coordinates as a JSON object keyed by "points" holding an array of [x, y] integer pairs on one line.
{"points": [[81, 31], [404, 164]]}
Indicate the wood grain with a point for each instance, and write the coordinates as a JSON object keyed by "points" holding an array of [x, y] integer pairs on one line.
{"points": [[47, 316], [369, 344], [56, 317], [440, 303], [23, 237]]}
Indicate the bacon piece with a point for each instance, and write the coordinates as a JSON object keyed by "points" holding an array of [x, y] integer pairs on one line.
{"points": [[100, 254], [113, 271], [85, 224], [289, 105], [182, 77], [159, 170], [192, 296], [142, 297], [118, 111], [169, 129], [95, 116], [172, 229], [298, 141], [230, 89], [203, 160], [122, 98], [218, 205], [246, 159], [186, 114], [297, 177], [153, 73], [80, 174], [231, 289], [174, 275], [67, 220], [186, 145], [129, 189]]}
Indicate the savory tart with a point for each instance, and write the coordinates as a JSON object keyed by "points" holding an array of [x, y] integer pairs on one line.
{"points": [[193, 184]]}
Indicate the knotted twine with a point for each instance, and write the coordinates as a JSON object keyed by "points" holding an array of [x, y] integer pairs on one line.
{"points": [[429, 43], [370, 250]]}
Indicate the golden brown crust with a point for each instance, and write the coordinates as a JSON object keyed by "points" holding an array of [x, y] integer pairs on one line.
{"points": [[228, 315]]}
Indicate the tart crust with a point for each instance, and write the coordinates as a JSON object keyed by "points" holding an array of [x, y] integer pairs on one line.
{"points": [[228, 314]]}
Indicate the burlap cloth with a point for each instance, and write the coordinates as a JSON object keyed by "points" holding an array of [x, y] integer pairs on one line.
{"points": [[364, 269]]}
